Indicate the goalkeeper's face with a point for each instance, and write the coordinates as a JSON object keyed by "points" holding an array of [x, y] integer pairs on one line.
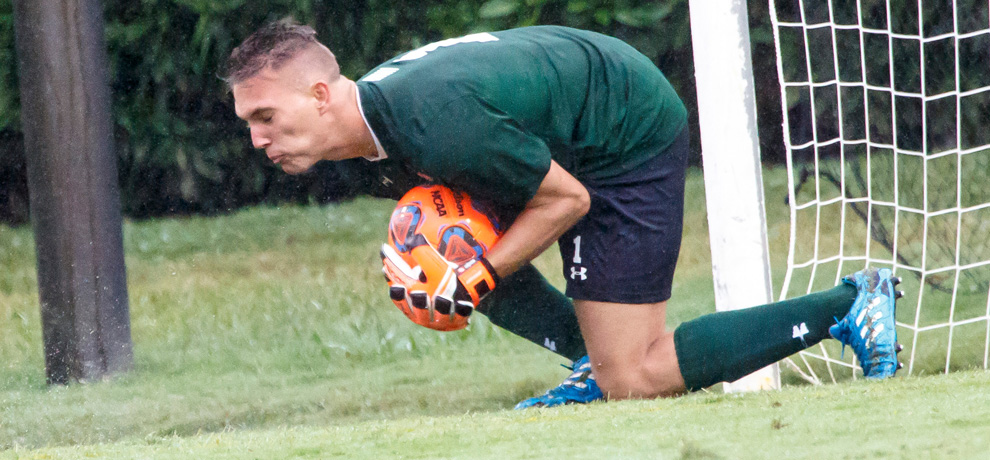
{"points": [[283, 118]]}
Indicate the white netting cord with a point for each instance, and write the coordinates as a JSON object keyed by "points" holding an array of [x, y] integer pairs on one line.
{"points": [[877, 141]]}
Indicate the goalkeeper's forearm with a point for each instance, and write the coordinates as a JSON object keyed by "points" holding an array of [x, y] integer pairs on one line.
{"points": [[558, 204]]}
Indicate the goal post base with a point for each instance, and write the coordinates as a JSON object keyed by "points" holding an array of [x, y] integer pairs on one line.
{"points": [[767, 378]]}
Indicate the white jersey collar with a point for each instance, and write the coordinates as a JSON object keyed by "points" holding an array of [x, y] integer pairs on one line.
{"points": [[378, 145]]}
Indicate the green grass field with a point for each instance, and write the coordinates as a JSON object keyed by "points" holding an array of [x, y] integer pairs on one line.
{"points": [[268, 334]]}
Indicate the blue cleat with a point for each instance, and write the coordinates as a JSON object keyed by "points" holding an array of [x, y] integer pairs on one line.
{"points": [[869, 327], [579, 388]]}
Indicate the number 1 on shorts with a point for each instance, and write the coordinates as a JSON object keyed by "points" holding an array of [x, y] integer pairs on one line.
{"points": [[577, 249]]}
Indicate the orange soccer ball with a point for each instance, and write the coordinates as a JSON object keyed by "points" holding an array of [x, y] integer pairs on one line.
{"points": [[454, 225]]}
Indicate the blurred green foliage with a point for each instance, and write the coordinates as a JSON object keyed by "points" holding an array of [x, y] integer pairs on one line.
{"points": [[180, 147]]}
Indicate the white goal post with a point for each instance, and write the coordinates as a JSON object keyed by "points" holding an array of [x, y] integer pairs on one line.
{"points": [[732, 168]]}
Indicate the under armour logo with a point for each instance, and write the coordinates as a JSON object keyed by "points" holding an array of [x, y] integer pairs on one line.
{"points": [[386, 181], [549, 344], [583, 273], [799, 331]]}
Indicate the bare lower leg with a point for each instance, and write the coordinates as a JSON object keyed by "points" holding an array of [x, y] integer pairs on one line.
{"points": [[632, 353]]}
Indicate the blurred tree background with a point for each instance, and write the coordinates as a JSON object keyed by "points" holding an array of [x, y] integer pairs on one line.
{"points": [[181, 149]]}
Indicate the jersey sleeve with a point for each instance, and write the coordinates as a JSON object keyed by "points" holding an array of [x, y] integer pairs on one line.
{"points": [[479, 149]]}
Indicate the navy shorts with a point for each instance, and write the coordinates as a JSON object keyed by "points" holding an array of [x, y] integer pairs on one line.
{"points": [[625, 249]]}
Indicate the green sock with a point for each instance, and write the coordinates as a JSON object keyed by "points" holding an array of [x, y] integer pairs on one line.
{"points": [[525, 304], [724, 346]]}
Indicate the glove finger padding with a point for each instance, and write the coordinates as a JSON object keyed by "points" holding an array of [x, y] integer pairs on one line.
{"points": [[460, 286], [411, 294], [398, 275]]}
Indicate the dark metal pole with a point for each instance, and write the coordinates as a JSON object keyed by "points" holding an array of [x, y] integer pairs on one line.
{"points": [[72, 181]]}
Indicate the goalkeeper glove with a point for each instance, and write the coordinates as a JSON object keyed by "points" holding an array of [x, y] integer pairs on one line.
{"points": [[450, 286], [403, 278], [435, 285]]}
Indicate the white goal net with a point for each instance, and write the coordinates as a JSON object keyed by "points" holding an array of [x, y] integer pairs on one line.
{"points": [[887, 129]]}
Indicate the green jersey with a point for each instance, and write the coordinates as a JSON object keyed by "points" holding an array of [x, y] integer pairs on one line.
{"points": [[485, 113]]}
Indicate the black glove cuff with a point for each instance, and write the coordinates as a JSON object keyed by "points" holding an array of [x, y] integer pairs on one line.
{"points": [[491, 270]]}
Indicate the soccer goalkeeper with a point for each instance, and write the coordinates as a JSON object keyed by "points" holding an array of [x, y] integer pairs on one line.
{"points": [[573, 137]]}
